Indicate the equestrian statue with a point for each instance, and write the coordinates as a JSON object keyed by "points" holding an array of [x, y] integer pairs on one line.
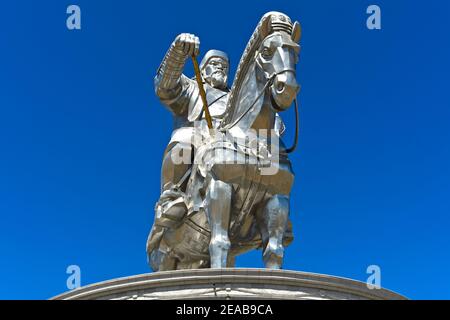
{"points": [[226, 176]]}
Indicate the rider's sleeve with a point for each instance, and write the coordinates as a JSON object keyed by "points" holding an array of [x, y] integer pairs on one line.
{"points": [[172, 87]]}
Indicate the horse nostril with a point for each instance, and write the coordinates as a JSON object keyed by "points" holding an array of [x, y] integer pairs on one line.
{"points": [[280, 87]]}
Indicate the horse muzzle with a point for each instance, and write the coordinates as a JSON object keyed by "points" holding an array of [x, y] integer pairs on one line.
{"points": [[284, 90]]}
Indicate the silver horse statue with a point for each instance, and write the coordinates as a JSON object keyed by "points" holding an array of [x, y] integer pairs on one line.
{"points": [[237, 195]]}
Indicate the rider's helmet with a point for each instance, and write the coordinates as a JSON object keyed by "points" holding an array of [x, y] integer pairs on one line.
{"points": [[214, 67]]}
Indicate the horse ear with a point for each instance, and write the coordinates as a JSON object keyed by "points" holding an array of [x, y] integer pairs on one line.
{"points": [[296, 32]]}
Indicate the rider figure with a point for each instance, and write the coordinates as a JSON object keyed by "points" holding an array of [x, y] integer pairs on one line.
{"points": [[181, 96]]}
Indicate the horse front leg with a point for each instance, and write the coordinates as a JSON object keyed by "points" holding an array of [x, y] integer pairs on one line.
{"points": [[273, 222], [218, 208]]}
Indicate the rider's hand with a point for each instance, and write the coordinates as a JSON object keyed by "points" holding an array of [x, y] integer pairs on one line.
{"points": [[188, 43]]}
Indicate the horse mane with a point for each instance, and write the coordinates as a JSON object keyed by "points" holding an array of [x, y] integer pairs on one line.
{"points": [[269, 23]]}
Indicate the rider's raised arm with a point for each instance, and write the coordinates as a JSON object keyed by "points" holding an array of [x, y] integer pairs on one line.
{"points": [[170, 84]]}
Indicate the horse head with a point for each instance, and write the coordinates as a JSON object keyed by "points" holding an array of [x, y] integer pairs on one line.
{"points": [[276, 59]]}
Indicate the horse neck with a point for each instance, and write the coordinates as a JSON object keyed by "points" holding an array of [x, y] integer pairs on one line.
{"points": [[266, 117], [262, 115]]}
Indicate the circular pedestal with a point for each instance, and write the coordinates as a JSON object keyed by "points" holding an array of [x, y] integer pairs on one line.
{"points": [[230, 283]]}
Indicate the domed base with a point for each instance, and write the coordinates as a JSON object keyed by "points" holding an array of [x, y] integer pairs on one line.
{"points": [[229, 283]]}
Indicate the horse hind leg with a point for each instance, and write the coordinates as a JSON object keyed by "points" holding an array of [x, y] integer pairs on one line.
{"points": [[273, 221], [218, 199]]}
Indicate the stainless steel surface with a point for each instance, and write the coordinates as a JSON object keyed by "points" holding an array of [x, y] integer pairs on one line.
{"points": [[234, 197]]}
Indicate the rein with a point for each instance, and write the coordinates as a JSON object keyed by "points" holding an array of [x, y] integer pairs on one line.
{"points": [[269, 82], [235, 122]]}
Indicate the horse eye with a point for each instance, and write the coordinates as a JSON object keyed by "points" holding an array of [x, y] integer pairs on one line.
{"points": [[267, 53]]}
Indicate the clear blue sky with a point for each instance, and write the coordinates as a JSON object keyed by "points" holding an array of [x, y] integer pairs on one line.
{"points": [[82, 136]]}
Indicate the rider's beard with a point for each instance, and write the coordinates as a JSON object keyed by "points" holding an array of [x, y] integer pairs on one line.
{"points": [[218, 80]]}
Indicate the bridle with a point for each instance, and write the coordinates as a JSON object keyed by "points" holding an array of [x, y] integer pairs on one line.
{"points": [[268, 83]]}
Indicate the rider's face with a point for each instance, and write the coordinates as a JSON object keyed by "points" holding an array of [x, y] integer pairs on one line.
{"points": [[215, 73]]}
